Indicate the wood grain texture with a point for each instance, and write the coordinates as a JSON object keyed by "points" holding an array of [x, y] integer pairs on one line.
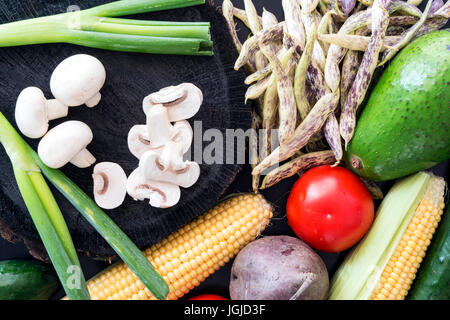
{"points": [[130, 77]]}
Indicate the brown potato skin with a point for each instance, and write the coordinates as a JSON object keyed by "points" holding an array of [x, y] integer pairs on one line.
{"points": [[275, 267]]}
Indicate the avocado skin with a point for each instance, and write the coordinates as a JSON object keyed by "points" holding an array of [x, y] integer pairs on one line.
{"points": [[405, 125]]}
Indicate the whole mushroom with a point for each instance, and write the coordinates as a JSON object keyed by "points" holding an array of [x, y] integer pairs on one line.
{"points": [[67, 143], [110, 185], [182, 101], [34, 111], [77, 80], [160, 194]]}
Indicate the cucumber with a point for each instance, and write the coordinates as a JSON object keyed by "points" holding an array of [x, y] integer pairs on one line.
{"points": [[26, 280], [405, 125], [433, 279]]}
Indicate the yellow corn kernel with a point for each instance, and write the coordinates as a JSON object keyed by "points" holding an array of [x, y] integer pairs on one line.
{"points": [[410, 251], [188, 256]]}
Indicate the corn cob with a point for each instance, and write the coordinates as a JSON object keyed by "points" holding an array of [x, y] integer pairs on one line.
{"points": [[191, 254], [384, 264]]}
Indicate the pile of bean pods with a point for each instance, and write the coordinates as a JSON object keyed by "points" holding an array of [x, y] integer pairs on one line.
{"points": [[309, 73]]}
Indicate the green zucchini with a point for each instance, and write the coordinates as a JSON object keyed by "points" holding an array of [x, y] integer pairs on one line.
{"points": [[433, 278], [26, 280]]}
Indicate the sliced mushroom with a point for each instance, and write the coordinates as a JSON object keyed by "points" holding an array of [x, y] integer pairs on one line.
{"points": [[78, 80], [67, 143], [182, 101], [34, 111], [139, 142], [160, 194], [183, 134], [110, 185], [159, 128], [152, 169]]}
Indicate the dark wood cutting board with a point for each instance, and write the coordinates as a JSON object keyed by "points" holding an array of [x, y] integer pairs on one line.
{"points": [[130, 77]]}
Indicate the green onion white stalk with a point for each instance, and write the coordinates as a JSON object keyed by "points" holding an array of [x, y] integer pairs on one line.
{"points": [[98, 28]]}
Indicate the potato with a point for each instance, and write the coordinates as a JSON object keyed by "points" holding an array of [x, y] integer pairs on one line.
{"points": [[278, 268]]}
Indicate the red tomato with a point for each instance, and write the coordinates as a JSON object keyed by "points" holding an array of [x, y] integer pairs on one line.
{"points": [[208, 297], [330, 208]]}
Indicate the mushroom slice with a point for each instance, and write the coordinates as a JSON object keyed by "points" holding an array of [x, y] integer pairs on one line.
{"points": [[152, 169], [182, 101], [183, 134], [110, 185], [78, 80], [160, 194], [139, 142], [67, 143], [34, 111], [159, 128]]}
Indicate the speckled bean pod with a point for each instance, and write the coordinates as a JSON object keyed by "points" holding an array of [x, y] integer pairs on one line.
{"points": [[310, 26], [406, 38], [257, 89], [350, 67], [308, 128], [287, 110], [357, 42], [251, 46], [255, 23], [380, 21], [294, 25], [404, 8], [374, 190], [253, 147], [308, 6], [337, 53], [296, 166], [301, 98], [333, 137]]}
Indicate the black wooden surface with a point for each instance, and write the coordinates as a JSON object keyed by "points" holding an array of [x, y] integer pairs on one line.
{"points": [[130, 77], [218, 282]]}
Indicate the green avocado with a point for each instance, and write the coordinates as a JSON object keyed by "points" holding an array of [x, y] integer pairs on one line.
{"points": [[405, 125]]}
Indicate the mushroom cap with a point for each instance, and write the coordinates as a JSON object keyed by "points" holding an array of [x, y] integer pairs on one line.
{"points": [[138, 141], [151, 169], [64, 142], [31, 113], [182, 101], [77, 79], [110, 185], [160, 194]]}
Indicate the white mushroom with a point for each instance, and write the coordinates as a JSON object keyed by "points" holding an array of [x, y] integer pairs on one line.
{"points": [[152, 169], [157, 132], [138, 141], [160, 194], [183, 134], [159, 128], [34, 111], [67, 143], [182, 101], [110, 185], [78, 80]]}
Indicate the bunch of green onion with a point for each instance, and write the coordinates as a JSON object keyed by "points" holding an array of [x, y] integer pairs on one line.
{"points": [[50, 224], [98, 28]]}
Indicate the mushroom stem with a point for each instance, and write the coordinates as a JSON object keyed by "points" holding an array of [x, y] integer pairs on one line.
{"points": [[95, 100], [158, 125], [83, 159], [56, 109]]}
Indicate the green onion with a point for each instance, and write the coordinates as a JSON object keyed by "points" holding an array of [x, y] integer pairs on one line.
{"points": [[23, 156], [116, 238], [97, 28], [44, 212]]}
